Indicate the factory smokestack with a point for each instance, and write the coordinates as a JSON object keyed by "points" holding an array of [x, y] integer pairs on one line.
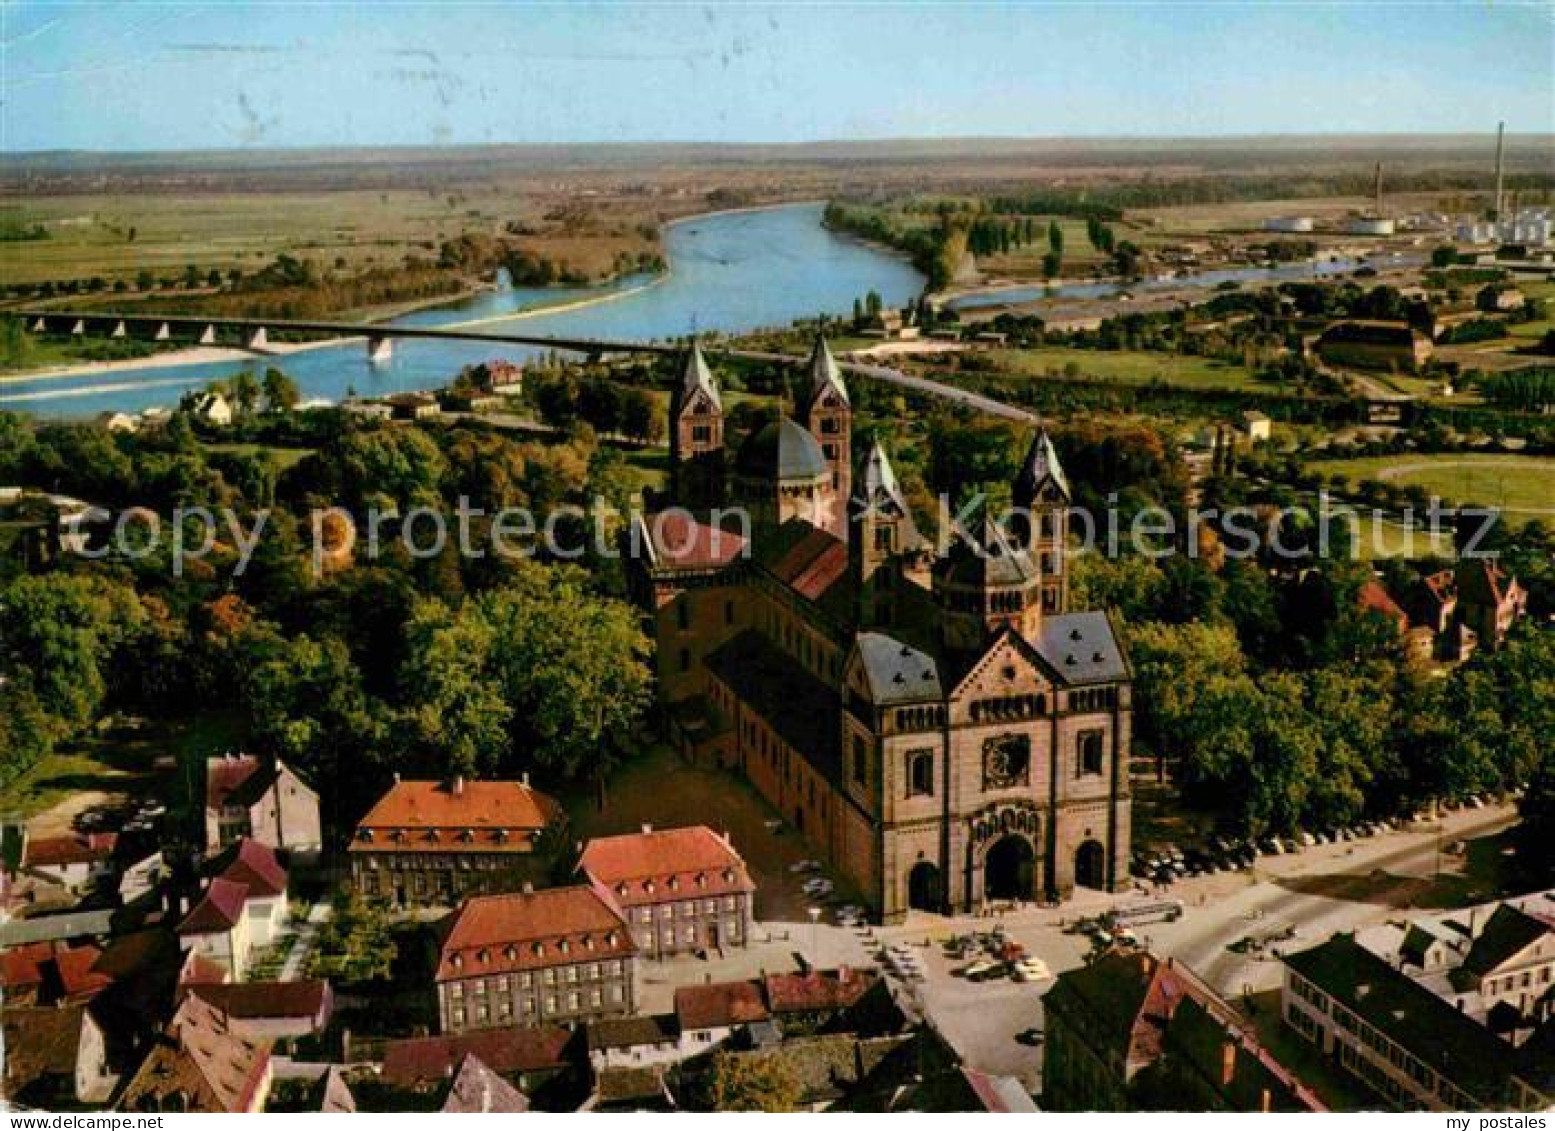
{"points": [[1500, 143]]}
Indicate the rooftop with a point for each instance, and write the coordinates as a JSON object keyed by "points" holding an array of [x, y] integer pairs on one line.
{"points": [[495, 934], [462, 816], [656, 864]]}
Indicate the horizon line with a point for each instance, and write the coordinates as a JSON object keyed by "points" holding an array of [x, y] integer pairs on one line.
{"points": [[906, 139]]}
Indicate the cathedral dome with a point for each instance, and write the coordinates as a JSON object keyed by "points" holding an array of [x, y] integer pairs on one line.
{"points": [[783, 451]]}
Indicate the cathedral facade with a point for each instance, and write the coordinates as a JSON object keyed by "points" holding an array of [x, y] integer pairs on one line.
{"points": [[936, 723]]}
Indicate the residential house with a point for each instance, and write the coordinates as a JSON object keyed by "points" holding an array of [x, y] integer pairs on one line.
{"points": [[76, 862], [1489, 601], [271, 1010], [262, 799], [631, 1042], [538, 1060], [201, 1063], [412, 406], [51, 973], [242, 909], [680, 889], [1131, 1032], [711, 1014], [429, 843], [1364, 344], [477, 1090], [1257, 426], [211, 407], [142, 877], [561, 955]]}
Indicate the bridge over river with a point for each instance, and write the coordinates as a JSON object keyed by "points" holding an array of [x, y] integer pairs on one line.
{"points": [[379, 339]]}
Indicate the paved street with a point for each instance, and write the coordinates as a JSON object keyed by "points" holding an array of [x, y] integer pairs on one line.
{"points": [[307, 932]]}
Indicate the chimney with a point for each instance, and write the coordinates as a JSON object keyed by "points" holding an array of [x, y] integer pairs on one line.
{"points": [[523, 779], [458, 785], [396, 777], [647, 828], [1228, 1065], [529, 887], [1500, 142], [844, 974], [1266, 1102]]}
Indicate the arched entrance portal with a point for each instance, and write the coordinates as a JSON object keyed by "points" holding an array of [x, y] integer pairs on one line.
{"points": [[1090, 866], [1010, 869], [924, 890]]}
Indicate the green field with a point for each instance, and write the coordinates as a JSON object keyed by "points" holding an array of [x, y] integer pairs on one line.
{"points": [[92, 235], [1520, 485], [1125, 367]]}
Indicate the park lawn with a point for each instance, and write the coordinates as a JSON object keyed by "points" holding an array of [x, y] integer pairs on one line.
{"points": [[1126, 367], [285, 458], [650, 468], [1520, 485]]}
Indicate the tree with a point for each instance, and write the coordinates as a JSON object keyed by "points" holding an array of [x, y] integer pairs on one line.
{"points": [[280, 391], [752, 1082], [245, 392], [1055, 239], [537, 674], [59, 637]]}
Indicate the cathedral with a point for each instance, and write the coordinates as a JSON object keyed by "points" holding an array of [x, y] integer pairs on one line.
{"points": [[938, 725]]}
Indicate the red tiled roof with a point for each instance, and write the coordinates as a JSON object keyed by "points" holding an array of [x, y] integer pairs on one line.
{"points": [[218, 910], [495, 934], [1372, 597], [719, 1005], [223, 775], [53, 851], [665, 864], [679, 541], [812, 564], [473, 816], [819, 989], [255, 866], [248, 1001], [198, 970], [202, 1061], [53, 969], [420, 1059]]}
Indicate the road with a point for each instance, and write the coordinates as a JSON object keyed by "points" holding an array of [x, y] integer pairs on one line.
{"points": [[302, 946], [981, 1020], [974, 401]]}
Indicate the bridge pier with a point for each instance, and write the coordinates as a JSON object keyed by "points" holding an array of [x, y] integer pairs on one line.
{"points": [[164, 332], [118, 330], [41, 326], [257, 340], [380, 349], [79, 328], [208, 336]]}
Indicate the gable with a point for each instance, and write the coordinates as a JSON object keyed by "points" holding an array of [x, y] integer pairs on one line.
{"points": [[1010, 666]]}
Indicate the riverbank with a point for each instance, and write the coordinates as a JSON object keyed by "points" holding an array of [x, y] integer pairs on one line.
{"points": [[193, 355]]}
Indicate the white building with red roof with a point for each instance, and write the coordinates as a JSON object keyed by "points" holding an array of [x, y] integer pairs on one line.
{"points": [[242, 909], [428, 843], [75, 861], [260, 798], [681, 890], [561, 955]]}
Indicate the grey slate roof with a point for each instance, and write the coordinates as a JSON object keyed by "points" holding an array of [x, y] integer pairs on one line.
{"points": [[783, 450], [697, 376], [986, 558], [896, 672], [1082, 648], [1041, 464]]}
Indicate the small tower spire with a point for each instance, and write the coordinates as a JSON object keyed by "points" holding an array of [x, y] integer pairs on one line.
{"points": [[697, 433], [1041, 523], [828, 413]]}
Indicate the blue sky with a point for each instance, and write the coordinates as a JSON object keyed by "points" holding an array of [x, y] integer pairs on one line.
{"points": [[139, 75]]}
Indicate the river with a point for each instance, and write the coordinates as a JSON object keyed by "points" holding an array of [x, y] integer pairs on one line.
{"points": [[729, 271]]}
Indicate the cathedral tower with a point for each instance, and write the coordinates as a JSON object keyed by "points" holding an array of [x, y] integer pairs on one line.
{"points": [[983, 582], [826, 411], [881, 535], [697, 435], [1041, 522]]}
